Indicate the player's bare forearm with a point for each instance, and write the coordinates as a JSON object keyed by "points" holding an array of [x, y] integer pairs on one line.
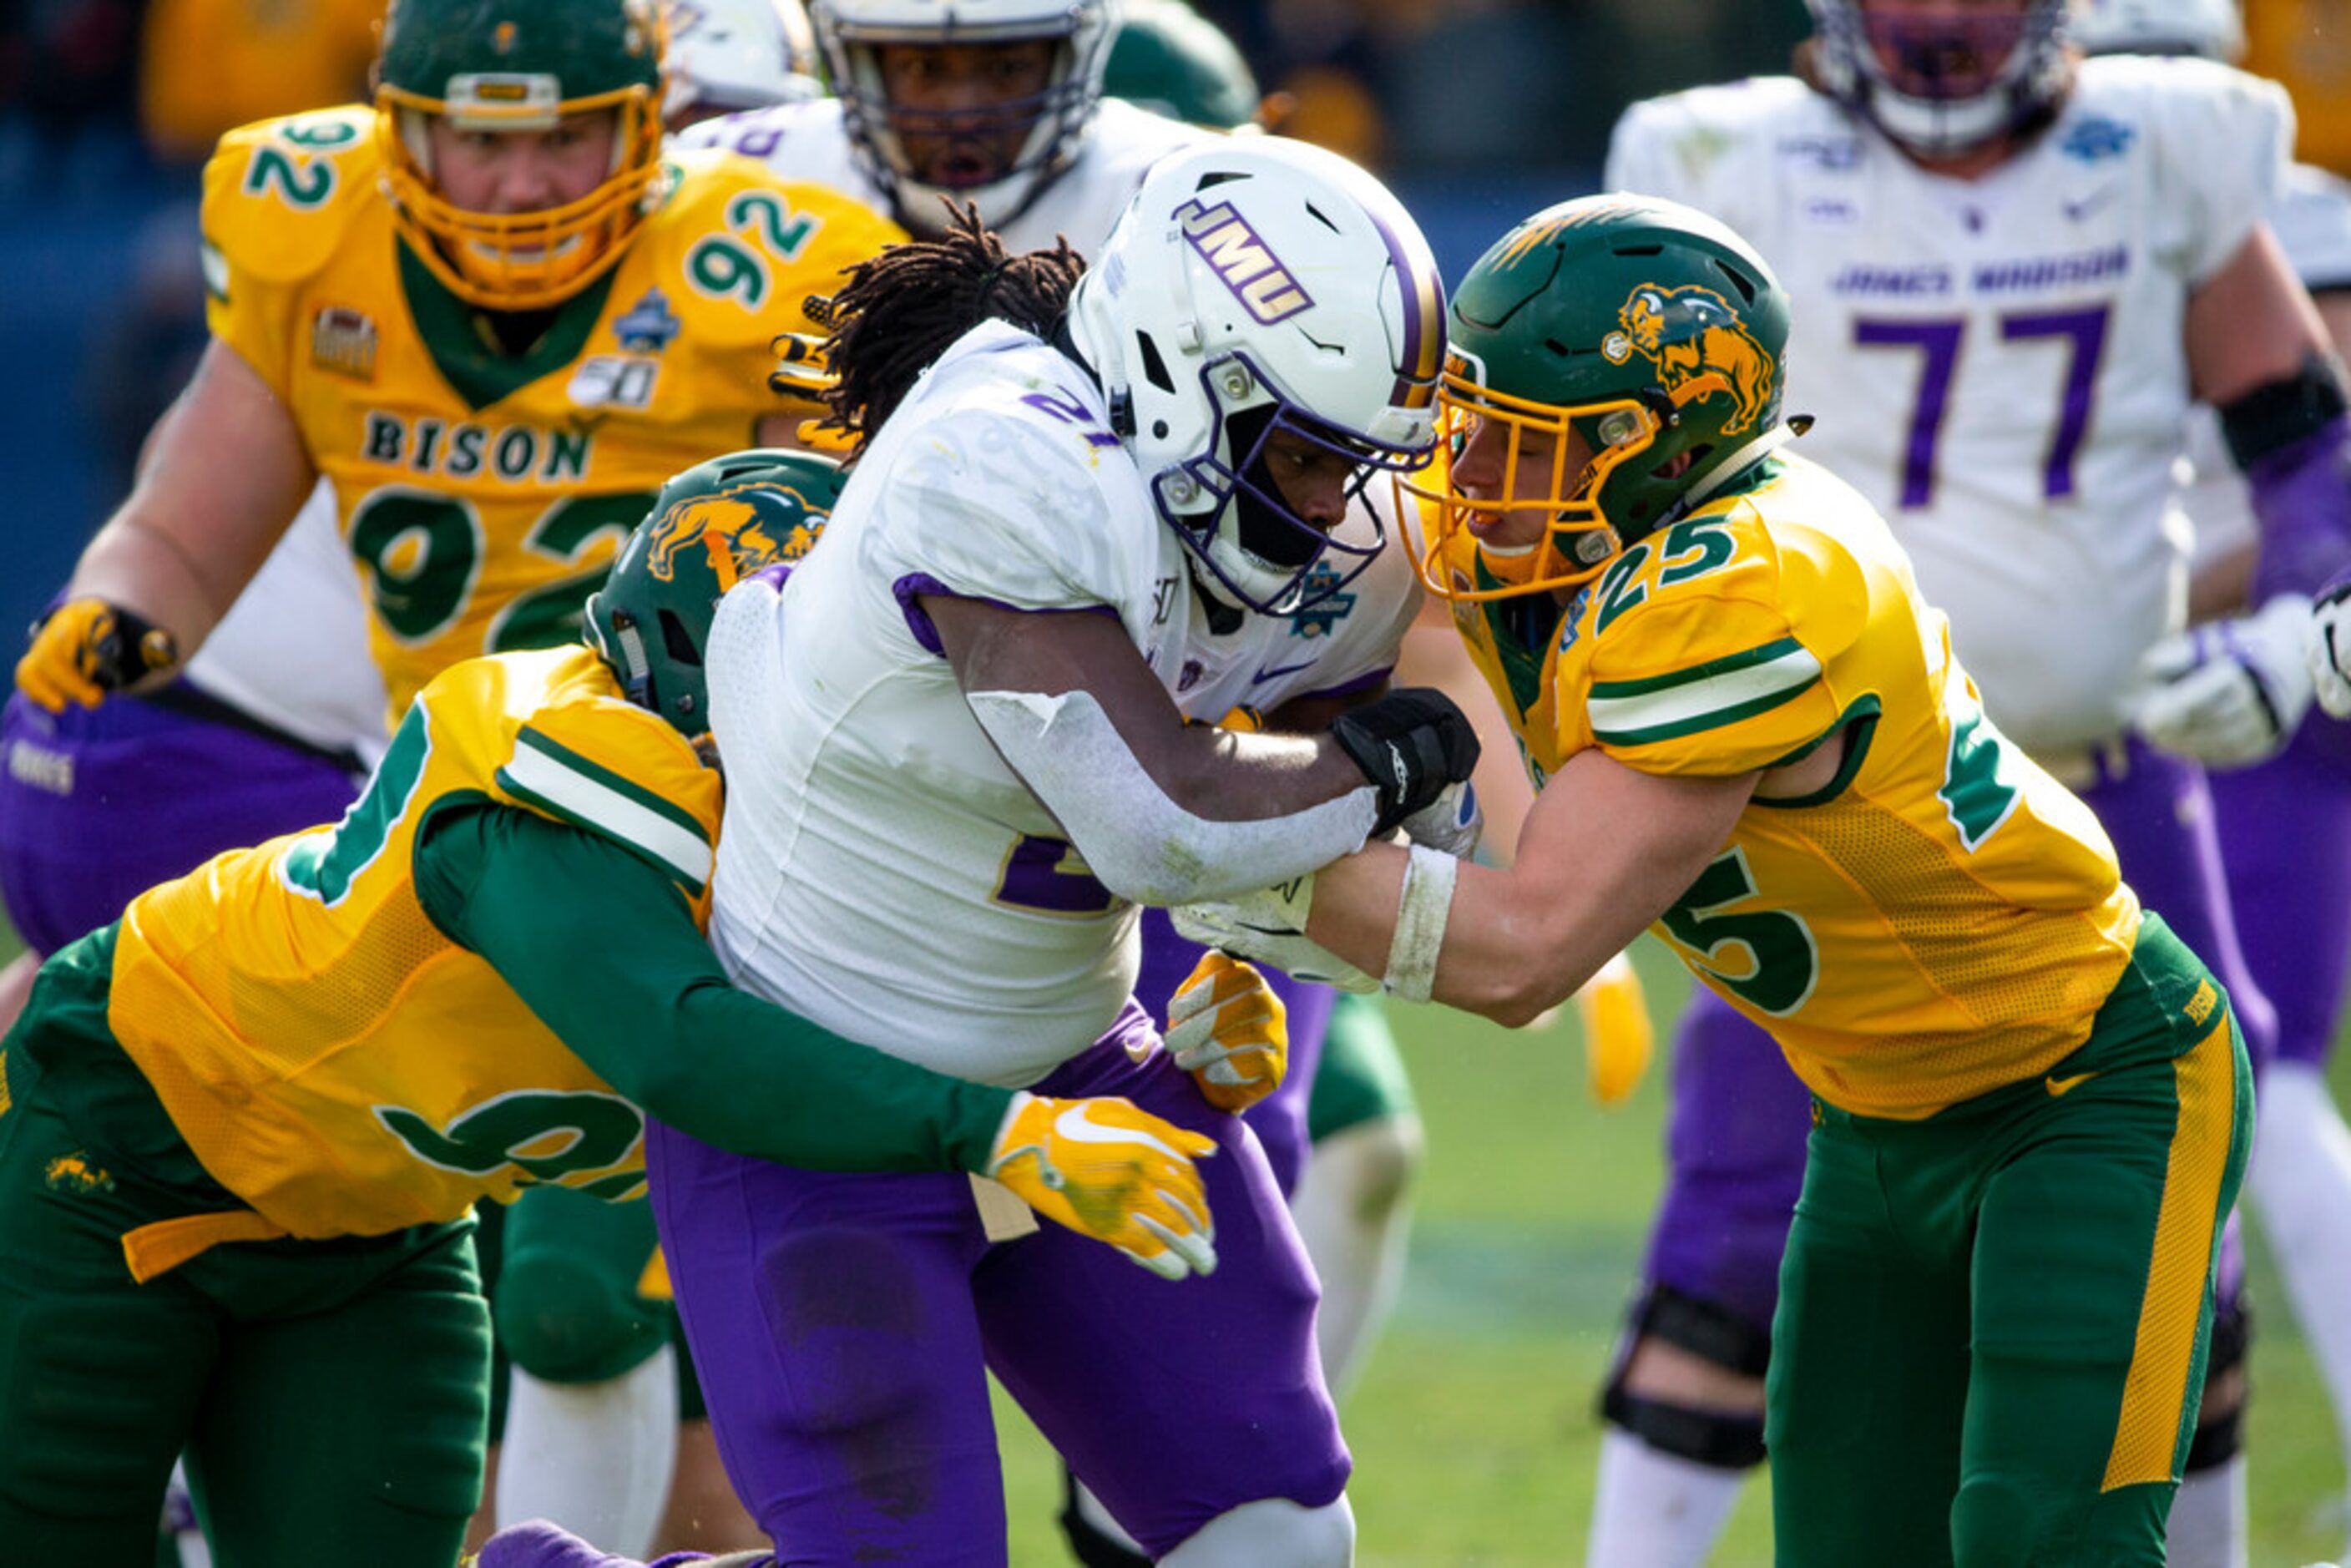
{"points": [[1606, 850], [221, 478]]}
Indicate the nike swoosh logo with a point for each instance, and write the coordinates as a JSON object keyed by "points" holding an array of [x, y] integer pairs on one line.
{"points": [[1264, 674], [1075, 1125], [2060, 1087]]}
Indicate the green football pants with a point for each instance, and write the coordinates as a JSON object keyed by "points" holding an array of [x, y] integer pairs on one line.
{"points": [[331, 1395], [1990, 1341]]}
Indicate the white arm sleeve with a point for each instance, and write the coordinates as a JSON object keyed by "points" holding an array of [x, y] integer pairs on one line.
{"points": [[1136, 841]]}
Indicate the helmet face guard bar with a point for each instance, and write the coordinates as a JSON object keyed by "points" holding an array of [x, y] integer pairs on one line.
{"points": [[1578, 540], [1268, 530]]}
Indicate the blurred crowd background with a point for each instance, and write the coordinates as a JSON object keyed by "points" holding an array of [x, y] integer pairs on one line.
{"points": [[1478, 109]]}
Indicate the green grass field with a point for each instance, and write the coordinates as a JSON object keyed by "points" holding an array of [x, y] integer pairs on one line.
{"points": [[1472, 1429]]}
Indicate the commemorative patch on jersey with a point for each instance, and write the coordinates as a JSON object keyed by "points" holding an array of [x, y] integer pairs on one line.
{"points": [[2098, 137], [649, 326], [1689, 333], [343, 340], [613, 380], [1326, 607]]}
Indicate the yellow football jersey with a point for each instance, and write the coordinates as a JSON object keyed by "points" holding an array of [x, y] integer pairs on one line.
{"points": [[1943, 917], [331, 1056], [483, 494], [2305, 45]]}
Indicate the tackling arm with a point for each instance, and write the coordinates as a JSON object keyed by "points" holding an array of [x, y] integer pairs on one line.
{"points": [[658, 1020], [1605, 850]]}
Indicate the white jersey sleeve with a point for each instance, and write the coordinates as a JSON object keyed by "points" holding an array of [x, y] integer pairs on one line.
{"points": [[998, 495], [2226, 141]]}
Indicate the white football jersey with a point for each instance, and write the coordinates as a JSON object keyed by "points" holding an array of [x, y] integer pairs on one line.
{"points": [[2313, 223], [1998, 364], [810, 142], [883, 871], [293, 649]]}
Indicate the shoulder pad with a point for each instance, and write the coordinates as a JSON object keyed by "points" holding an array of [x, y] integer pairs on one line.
{"points": [[584, 753], [1714, 642], [280, 194], [730, 218], [1702, 137]]}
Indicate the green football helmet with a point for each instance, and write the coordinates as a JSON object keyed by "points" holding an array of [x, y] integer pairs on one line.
{"points": [[1639, 331], [711, 526], [519, 65], [1170, 60]]}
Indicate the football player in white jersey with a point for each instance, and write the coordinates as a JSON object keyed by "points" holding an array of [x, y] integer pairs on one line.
{"points": [[965, 740], [2284, 825], [995, 102], [2014, 272]]}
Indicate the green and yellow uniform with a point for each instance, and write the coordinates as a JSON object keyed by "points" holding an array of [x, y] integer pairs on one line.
{"points": [[242, 1128], [2032, 1111], [484, 487]]}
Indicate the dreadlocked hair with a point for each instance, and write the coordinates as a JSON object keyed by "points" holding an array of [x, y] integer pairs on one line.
{"points": [[901, 310]]}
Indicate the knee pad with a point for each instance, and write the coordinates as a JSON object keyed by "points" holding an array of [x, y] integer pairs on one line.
{"points": [[564, 1320], [1723, 1440]]}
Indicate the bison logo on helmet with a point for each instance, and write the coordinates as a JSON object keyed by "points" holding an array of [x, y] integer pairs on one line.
{"points": [[1692, 332], [743, 530]]}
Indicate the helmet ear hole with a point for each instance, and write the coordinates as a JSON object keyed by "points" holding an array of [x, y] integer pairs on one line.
{"points": [[677, 640], [1154, 369]]}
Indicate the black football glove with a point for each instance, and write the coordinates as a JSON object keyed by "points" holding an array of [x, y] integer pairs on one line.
{"points": [[1410, 743]]}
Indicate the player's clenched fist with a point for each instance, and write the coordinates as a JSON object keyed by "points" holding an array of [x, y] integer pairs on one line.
{"points": [[86, 648], [1229, 1030], [1110, 1170]]}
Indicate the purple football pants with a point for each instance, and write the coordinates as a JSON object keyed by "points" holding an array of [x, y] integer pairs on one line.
{"points": [[2285, 837], [1735, 1142], [99, 805], [843, 1324], [1279, 1119]]}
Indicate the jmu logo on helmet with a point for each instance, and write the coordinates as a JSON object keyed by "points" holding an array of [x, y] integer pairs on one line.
{"points": [[1236, 254], [742, 529], [1691, 332]]}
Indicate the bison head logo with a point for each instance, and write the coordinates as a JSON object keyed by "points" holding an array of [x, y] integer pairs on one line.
{"points": [[1692, 333], [742, 529]]}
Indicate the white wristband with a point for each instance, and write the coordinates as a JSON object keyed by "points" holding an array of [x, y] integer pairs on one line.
{"points": [[1421, 913]]}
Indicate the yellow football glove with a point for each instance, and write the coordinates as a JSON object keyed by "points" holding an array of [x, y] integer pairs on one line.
{"points": [[1229, 1029], [1109, 1169], [1617, 1035], [86, 648]]}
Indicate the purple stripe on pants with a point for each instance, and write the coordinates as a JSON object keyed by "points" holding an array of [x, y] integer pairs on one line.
{"points": [[843, 1323], [1279, 1119], [1734, 1146], [99, 805]]}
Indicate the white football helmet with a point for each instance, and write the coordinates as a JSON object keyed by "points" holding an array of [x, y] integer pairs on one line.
{"points": [[1254, 285], [2213, 29], [726, 56], [849, 32], [1946, 83]]}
